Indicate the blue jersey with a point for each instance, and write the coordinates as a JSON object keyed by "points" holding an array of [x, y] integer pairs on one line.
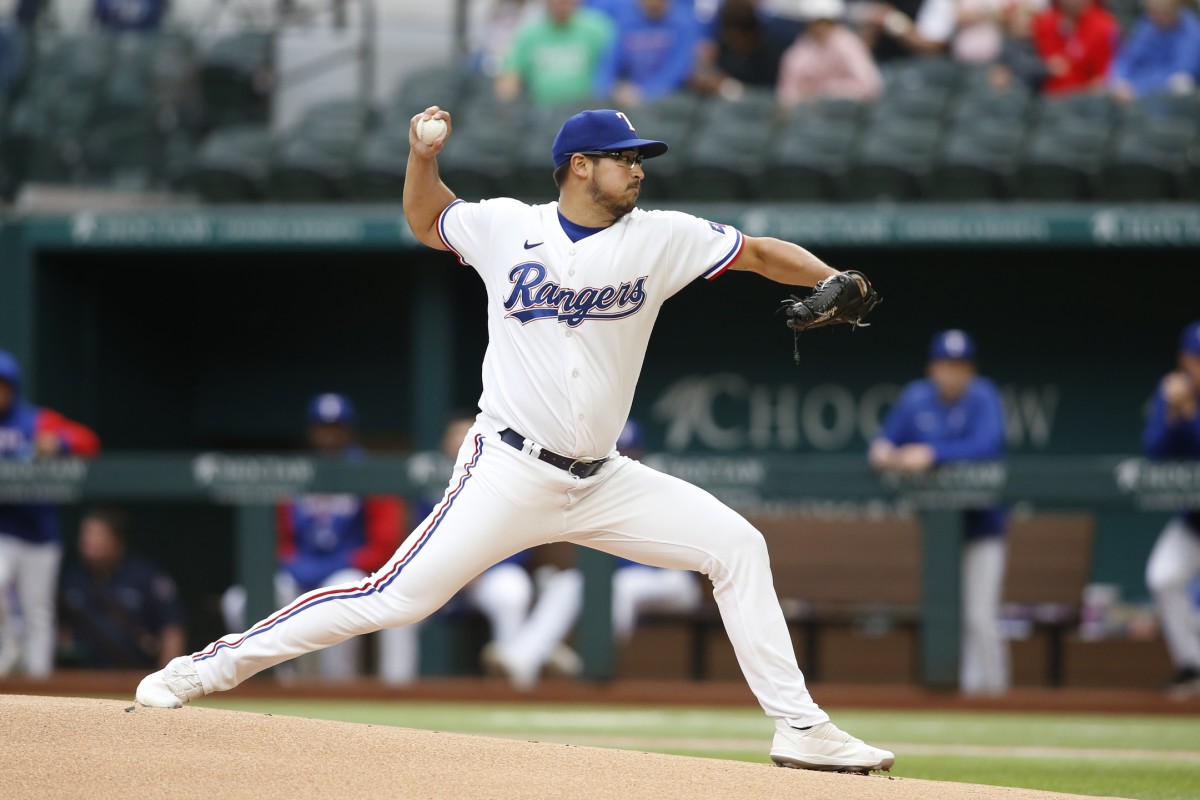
{"points": [[19, 428], [657, 56], [969, 429], [1169, 441]]}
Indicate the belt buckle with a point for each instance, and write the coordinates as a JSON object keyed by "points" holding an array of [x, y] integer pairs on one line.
{"points": [[571, 468]]}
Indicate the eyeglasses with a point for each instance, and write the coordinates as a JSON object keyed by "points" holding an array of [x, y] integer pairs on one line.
{"points": [[624, 159]]}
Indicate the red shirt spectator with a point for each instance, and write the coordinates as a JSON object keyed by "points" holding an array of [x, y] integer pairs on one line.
{"points": [[1076, 39]]}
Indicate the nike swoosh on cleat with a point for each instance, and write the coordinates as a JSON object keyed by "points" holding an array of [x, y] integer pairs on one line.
{"points": [[529, 246]]}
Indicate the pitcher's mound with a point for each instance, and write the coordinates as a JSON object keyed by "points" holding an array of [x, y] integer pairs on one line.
{"points": [[69, 747]]}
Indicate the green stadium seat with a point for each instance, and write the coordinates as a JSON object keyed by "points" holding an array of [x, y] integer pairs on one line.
{"points": [[808, 157], [921, 104], [314, 159], [377, 174], [443, 85], [976, 163], [1149, 160], [235, 77], [892, 161], [1062, 163], [921, 72], [727, 151], [232, 165]]}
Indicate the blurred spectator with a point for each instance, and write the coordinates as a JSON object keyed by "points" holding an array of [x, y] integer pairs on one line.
{"points": [[745, 51], [1173, 434], [327, 539], [527, 633], [556, 59], [30, 547], [655, 52], [494, 26], [827, 60], [1076, 40], [1162, 53], [955, 415], [981, 27], [1019, 62], [906, 28], [129, 15], [117, 610], [15, 18]]}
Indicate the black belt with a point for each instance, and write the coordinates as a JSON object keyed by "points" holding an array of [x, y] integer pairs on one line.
{"points": [[576, 466]]}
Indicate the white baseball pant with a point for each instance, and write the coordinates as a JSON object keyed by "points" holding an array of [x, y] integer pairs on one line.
{"points": [[501, 501], [398, 650], [985, 660], [1173, 563], [32, 568]]}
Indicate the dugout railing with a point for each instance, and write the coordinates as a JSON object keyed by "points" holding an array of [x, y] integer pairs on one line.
{"points": [[251, 484]]}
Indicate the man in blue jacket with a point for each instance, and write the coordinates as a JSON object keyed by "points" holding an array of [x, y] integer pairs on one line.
{"points": [[1173, 434], [956, 415], [654, 53], [1161, 54]]}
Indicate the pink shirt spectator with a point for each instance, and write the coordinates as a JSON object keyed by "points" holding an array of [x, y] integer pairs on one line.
{"points": [[832, 63]]}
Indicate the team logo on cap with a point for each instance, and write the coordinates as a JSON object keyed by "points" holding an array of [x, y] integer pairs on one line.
{"points": [[534, 297]]}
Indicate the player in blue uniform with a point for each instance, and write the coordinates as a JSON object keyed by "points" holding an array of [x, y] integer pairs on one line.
{"points": [[956, 415], [30, 548], [331, 538], [1173, 434]]}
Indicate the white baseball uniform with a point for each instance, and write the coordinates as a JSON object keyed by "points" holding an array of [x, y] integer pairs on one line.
{"points": [[568, 324]]}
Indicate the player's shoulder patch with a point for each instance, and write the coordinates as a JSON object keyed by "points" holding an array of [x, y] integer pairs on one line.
{"points": [[716, 226]]}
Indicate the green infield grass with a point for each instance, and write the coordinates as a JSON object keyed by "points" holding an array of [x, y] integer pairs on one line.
{"points": [[1141, 757]]}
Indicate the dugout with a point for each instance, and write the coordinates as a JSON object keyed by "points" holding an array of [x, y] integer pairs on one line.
{"points": [[207, 330]]}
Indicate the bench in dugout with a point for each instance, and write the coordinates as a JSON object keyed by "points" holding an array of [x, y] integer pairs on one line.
{"points": [[866, 575]]}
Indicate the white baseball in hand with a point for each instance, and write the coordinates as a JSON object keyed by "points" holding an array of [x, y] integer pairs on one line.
{"points": [[430, 130]]}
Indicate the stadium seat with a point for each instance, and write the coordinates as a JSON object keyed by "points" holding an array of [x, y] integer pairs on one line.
{"points": [[1148, 161], [441, 85], [1062, 163], [982, 107], [487, 139], [892, 161], [232, 165], [921, 72], [377, 174], [1097, 110], [976, 163], [235, 79], [808, 156], [314, 159]]}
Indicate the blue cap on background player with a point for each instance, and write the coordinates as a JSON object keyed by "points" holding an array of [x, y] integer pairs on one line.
{"points": [[331, 409], [953, 344], [1189, 340], [10, 370], [630, 437], [603, 129]]}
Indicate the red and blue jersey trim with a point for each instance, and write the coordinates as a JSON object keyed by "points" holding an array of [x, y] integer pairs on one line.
{"points": [[441, 231], [369, 585], [726, 260]]}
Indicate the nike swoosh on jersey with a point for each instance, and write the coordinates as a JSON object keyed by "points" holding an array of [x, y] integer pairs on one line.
{"points": [[529, 246]]}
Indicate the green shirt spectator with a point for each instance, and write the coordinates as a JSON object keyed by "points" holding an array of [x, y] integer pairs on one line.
{"points": [[555, 58]]}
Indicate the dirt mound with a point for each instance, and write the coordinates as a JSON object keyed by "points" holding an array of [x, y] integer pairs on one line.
{"points": [[69, 747]]}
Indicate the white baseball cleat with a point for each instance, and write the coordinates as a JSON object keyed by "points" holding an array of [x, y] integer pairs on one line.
{"points": [[172, 686], [826, 747]]}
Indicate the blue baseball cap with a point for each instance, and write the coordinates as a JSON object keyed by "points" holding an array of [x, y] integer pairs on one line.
{"points": [[1189, 340], [630, 437], [10, 370], [331, 409], [952, 344], [601, 129]]}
